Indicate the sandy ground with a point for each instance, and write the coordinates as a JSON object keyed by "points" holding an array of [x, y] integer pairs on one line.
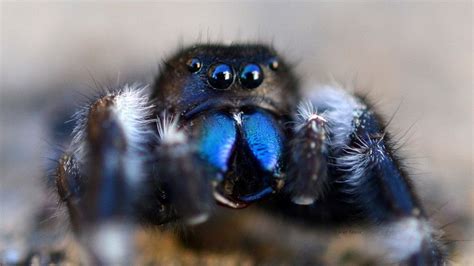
{"points": [[412, 57]]}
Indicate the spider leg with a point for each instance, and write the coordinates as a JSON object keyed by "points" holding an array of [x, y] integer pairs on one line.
{"points": [[308, 164], [98, 177], [352, 146], [121, 170], [179, 170]]}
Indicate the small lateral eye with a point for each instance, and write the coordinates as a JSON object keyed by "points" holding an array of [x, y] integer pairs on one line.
{"points": [[273, 64], [220, 76], [251, 76], [194, 65]]}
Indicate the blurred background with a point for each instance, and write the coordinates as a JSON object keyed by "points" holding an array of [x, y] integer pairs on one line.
{"points": [[413, 59]]}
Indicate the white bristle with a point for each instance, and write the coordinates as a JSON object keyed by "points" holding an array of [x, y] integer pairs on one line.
{"points": [[132, 110], [339, 108], [168, 130]]}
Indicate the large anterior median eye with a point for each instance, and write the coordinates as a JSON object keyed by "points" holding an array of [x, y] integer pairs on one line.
{"points": [[251, 76], [220, 76]]}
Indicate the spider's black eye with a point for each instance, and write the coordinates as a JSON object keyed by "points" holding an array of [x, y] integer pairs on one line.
{"points": [[220, 76], [194, 65], [251, 76], [273, 64]]}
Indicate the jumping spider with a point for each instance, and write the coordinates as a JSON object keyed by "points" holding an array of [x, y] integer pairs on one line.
{"points": [[228, 124]]}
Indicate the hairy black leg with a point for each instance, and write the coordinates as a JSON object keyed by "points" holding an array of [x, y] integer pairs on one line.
{"points": [[98, 178], [122, 170], [308, 163], [365, 175], [70, 188], [374, 180], [181, 173]]}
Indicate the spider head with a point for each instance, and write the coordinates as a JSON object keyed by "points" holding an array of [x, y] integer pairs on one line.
{"points": [[234, 100], [211, 77]]}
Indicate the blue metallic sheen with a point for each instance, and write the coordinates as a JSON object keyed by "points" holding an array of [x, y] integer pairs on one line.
{"points": [[395, 185], [258, 195], [264, 139], [386, 169], [217, 140]]}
